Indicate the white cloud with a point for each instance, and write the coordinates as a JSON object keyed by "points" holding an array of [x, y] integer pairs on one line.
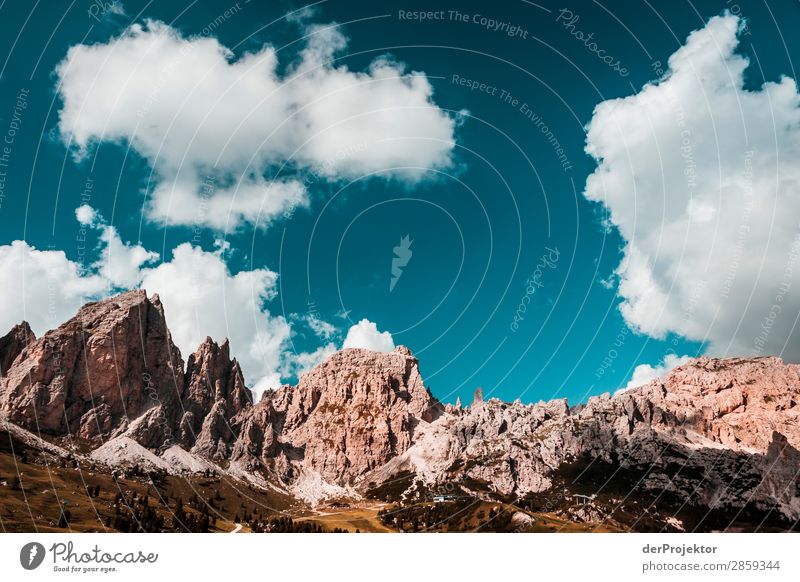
{"points": [[702, 179], [119, 263], [196, 113], [203, 298], [645, 373], [42, 287], [320, 327], [365, 334], [85, 214]]}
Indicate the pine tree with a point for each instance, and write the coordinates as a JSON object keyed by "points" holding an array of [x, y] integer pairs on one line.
{"points": [[63, 520]]}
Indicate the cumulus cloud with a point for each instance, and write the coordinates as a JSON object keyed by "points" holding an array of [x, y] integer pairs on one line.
{"points": [[365, 334], [320, 327], [203, 298], [646, 373], [215, 127], [119, 264], [85, 214], [701, 177], [43, 287]]}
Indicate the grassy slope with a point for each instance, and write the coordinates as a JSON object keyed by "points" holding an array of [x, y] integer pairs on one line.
{"points": [[34, 506]]}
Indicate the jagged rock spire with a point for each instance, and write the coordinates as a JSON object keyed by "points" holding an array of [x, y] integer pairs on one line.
{"points": [[13, 343], [215, 393]]}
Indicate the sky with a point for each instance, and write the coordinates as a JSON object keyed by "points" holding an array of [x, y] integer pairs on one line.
{"points": [[546, 200]]}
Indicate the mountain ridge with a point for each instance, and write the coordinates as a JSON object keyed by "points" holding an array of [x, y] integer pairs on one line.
{"points": [[719, 433]]}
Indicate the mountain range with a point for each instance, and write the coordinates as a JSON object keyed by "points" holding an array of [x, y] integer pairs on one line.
{"points": [[712, 445]]}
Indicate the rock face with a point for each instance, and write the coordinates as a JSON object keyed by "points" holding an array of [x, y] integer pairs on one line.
{"points": [[735, 402], [215, 393], [13, 344], [347, 416], [110, 363]]}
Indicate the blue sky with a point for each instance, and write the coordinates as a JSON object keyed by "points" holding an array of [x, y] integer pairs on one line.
{"points": [[465, 132]]}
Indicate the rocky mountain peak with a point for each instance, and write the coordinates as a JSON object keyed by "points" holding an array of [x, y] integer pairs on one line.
{"points": [[403, 350], [107, 365], [350, 414], [362, 376]]}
